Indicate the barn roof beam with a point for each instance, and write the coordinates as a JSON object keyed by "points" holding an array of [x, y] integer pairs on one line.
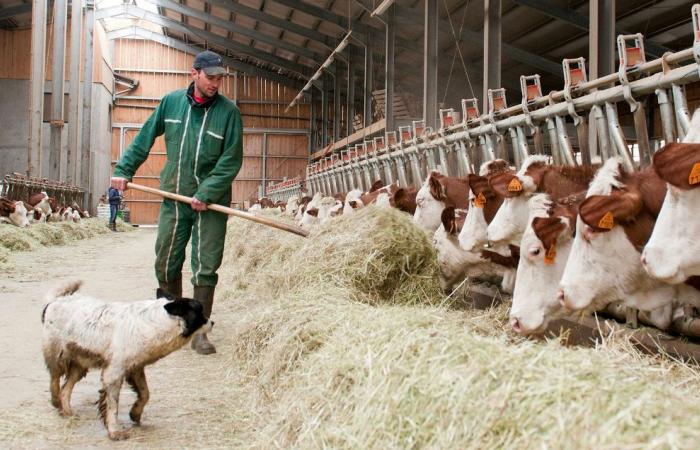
{"points": [[192, 50], [581, 21], [234, 28], [213, 38]]}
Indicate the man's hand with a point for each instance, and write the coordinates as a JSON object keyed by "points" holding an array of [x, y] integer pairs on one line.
{"points": [[119, 183], [198, 205]]}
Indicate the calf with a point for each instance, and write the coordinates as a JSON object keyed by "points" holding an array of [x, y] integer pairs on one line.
{"points": [[321, 212], [545, 247], [404, 199], [379, 196], [673, 251], [437, 193], [43, 202], [484, 202], [535, 176], [615, 222]]}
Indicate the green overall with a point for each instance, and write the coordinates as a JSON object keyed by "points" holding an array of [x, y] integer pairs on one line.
{"points": [[204, 146]]}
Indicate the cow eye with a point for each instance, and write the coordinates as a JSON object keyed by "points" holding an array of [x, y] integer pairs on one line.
{"points": [[535, 251]]}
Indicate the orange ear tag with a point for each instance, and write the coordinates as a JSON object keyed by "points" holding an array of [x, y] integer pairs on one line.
{"points": [[694, 177], [551, 254], [515, 185], [480, 200], [607, 221]]}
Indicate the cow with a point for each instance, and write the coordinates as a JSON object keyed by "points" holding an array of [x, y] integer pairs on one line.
{"points": [[14, 212], [673, 251], [306, 202], [379, 196], [42, 201], [292, 206], [438, 192], [404, 199], [535, 176], [321, 212], [615, 222], [456, 264], [544, 249], [483, 205]]}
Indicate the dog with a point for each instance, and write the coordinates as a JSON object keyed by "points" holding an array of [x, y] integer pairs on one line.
{"points": [[82, 333]]}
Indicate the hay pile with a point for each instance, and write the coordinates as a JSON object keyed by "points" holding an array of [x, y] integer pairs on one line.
{"points": [[345, 341], [39, 235]]}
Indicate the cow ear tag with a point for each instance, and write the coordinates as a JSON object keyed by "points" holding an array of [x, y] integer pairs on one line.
{"points": [[607, 221], [694, 177], [515, 185], [551, 254], [480, 200]]}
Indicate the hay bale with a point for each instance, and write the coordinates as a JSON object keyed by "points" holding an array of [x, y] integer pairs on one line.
{"points": [[335, 355], [377, 251]]}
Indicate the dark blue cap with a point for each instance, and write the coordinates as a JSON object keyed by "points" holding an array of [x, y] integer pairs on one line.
{"points": [[209, 62]]}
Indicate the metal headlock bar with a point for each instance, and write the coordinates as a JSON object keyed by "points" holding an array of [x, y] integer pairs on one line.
{"points": [[17, 187], [458, 147]]}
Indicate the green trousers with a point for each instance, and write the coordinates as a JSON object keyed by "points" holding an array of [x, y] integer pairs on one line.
{"points": [[176, 224]]}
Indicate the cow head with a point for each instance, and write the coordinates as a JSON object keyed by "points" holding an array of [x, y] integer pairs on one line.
{"points": [[430, 202], [510, 220], [544, 249], [483, 205], [404, 199], [613, 225], [453, 262], [673, 251], [16, 212]]}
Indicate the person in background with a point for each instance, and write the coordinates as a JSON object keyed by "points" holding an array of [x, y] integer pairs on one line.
{"points": [[115, 200]]}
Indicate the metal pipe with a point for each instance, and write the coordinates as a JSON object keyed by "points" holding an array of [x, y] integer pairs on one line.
{"points": [[375, 170], [602, 132], [388, 175], [365, 172], [524, 151], [667, 120], [565, 149], [415, 170], [401, 171], [642, 134], [681, 107], [554, 142], [442, 157], [618, 138], [516, 146]]}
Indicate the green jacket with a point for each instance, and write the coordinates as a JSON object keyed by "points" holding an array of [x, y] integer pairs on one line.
{"points": [[204, 146]]}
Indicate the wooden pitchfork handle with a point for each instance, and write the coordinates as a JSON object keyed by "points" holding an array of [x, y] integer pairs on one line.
{"points": [[222, 209]]}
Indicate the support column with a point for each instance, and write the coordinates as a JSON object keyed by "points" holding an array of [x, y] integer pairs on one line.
{"points": [[350, 99], [492, 48], [336, 103], [430, 64], [60, 12], [87, 164], [76, 25], [324, 112], [314, 126], [389, 69], [36, 98], [369, 72], [601, 38]]}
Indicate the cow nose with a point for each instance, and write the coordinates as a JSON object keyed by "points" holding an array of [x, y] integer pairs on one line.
{"points": [[488, 244], [515, 325], [561, 297], [212, 323]]}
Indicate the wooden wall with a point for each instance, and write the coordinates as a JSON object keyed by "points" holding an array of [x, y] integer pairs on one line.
{"points": [[275, 143]]}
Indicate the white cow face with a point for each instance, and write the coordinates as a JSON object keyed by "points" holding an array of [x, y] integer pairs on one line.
{"points": [[474, 233], [428, 209], [19, 217], [539, 270], [673, 251], [510, 221], [452, 260]]}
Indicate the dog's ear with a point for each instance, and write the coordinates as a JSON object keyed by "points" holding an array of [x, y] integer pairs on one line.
{"points": [[160, 293], [179, 309]]}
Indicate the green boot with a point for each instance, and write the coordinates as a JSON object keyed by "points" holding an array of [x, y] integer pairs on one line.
{"points": [[200, 343], [173, 287]]}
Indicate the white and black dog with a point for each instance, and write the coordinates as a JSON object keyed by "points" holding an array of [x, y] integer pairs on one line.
{"points": [[82, 333]]}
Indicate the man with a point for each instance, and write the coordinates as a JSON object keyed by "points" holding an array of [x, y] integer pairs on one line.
{"points": [[204, 145], [115, 199]]}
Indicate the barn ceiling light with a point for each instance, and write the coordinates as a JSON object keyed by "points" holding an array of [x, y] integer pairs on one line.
{"points": [[383, 6], [326, 64]]}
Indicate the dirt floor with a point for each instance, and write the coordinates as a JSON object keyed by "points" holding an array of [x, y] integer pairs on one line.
{"points": [[184, 385]]}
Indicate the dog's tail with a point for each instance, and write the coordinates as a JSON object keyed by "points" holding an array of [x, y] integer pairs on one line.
{"points": [[68, 288]]}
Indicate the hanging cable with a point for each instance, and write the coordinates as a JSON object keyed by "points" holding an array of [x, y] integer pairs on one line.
{"points": [[457, 40]]}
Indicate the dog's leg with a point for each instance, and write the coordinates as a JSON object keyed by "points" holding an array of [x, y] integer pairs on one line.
{"points": [[112, 380], [75, 374], [137, 381], [55, 386]]}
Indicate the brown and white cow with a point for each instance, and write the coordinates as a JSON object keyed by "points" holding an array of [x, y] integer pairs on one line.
{"points": [[42, 201], [456, 264], [535, 176], [484, 202], [615, 221], [544, 249], [404, 199], [438, 192], [673, 251], [14, 212], [379, 196]]}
